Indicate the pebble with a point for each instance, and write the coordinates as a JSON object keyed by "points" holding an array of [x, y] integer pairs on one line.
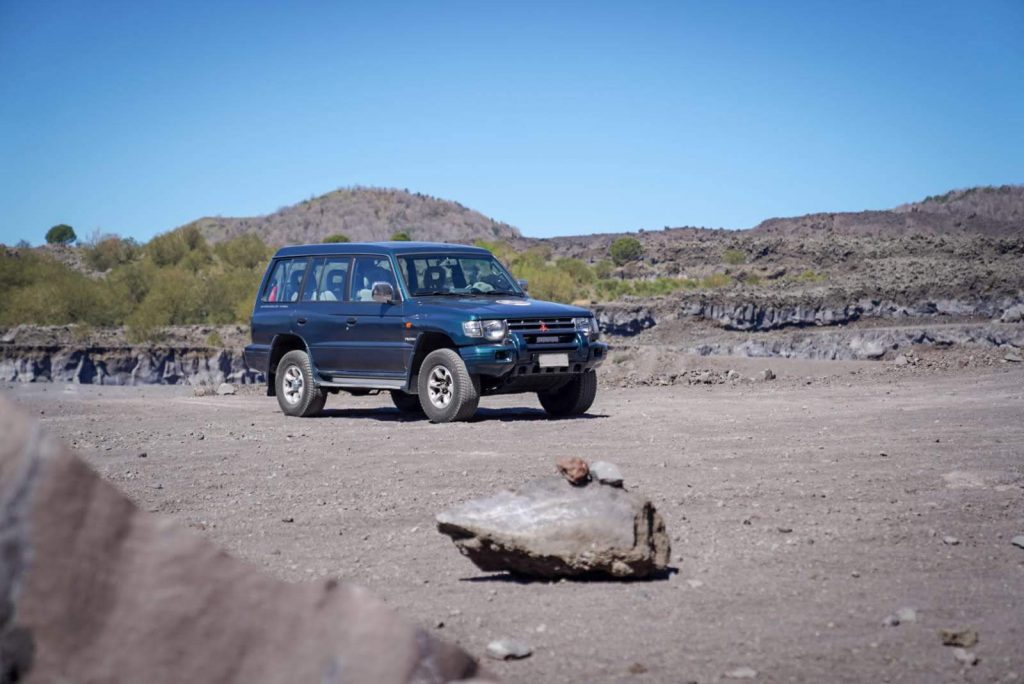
{"points": [[964, 638], [742, 673], [695, 583], [964, 656], [508, 649], [907, 615], [226, 388], [289, 519], [950, 541], [1018, 541], [606, 473]]}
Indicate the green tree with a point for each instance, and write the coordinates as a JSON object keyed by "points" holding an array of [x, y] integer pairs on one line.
{"points": [[626, 249], [337, 237], [61, 234], [401, 236]]}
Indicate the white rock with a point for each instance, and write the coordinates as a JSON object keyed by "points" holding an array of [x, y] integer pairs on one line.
{"points": [[950, 541], [907, 615], [508, 649], [1018, 541], [964, 656], [606, 473], [226, 388], [742, 673]]}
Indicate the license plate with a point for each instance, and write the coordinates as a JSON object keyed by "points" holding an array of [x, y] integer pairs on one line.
{"points": [[547, 340], [553, 360]]}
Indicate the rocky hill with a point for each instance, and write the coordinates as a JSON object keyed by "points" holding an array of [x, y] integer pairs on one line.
{"points": [[363, 214]]}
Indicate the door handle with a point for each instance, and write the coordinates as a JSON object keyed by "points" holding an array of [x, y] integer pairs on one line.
{"points": [[351, 320], [301, 321]]}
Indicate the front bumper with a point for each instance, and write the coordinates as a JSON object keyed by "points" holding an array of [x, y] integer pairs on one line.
{"points": [[514, 358]]}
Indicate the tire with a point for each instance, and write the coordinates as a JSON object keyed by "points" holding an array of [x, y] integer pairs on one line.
{"points": [[572, 399], [408, 404], [297, 395], [447, 391]]}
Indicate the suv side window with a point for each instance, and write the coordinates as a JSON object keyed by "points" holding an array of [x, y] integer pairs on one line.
{"points": [[285, 281], [367, 271], [334, 279], [311, 290]]}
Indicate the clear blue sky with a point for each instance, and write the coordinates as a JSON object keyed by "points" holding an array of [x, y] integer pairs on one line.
{"points": [[557, 117]]}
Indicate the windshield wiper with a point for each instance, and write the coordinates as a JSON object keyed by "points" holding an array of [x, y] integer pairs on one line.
{"points": [[434, 293]]}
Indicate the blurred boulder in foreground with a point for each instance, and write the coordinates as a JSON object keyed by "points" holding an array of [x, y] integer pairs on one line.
{"points": [[93, 589]]}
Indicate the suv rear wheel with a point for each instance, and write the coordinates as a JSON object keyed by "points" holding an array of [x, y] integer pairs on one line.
{"points": [[296, 392], [572, 399], [407, 403], [447, 391]]}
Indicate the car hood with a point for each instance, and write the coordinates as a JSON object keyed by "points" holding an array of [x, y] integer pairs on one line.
{"points": [[498, 307]]}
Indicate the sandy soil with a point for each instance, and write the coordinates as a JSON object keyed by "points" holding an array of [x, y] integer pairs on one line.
{"points": [[804, 511]]}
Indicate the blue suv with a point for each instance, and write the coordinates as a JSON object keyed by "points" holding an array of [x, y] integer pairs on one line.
{"points": [[437, 325]]}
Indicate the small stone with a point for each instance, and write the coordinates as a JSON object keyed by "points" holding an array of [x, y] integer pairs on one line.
{"points": [[142, 454], [508, 649], [574, 469], [891, 621], [226, 388], [606, 473], [766, 375], [637, 668], [1018, 541], [620, 569], [964, 656], [785, 530], [907, 615], [289, 519], [901, 360], [964, 638], [950, 541], [695, 583], [1013, 357], [742, 673]]}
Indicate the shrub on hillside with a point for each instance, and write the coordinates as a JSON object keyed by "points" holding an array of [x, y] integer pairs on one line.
{"points": [[625, 249], [337, 237], [61, 234]]}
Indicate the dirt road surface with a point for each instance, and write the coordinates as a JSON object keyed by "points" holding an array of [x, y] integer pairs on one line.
{"points": [[802, 515]]}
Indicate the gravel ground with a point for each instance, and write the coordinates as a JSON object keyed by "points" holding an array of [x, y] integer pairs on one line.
{"points": [[804, 511]]}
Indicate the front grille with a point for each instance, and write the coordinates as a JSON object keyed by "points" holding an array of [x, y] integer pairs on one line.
{"points": [[542, 334]]}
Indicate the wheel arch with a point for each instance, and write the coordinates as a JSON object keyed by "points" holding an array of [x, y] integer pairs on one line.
{"points": [[281, 345], [427, 342]]}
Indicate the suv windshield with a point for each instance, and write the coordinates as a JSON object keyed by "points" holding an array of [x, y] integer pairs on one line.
{"points": [[446, 274]]}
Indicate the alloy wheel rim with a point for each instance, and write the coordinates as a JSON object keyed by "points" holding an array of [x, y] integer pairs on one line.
{"points": [[439, 387], [293, 385]]}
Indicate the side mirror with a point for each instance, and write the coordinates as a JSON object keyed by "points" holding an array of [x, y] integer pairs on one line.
{"points": [[382, 293], [524, 284]]}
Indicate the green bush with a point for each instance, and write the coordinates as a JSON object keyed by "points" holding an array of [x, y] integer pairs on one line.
{"points": [[61, 234], [107, 251], [735, 257], [337, 237], [603, 269], [401, 236], [626, 249]]}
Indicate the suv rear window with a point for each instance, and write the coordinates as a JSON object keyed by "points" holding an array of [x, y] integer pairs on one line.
{"points": [[285, 280]]}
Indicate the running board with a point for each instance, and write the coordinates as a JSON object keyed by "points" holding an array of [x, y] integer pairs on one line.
{"points": [[364, 383]]}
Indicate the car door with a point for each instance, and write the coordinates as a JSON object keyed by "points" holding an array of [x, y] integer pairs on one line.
{"points": [[322, 319], [374, 341]]}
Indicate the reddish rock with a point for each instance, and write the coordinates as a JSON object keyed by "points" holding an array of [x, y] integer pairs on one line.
{"points": [[574, 469], [94, 590]]}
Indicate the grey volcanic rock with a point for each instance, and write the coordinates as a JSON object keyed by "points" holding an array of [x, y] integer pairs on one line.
{"points": [[92, 589], [606, 473], [550, 528]]}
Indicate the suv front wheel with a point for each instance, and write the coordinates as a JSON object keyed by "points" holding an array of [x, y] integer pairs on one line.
{"points": [[446, 389], [573, 398], [297, 394]]}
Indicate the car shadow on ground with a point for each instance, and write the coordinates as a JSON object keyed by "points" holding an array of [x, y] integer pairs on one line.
{"points": [[513, 578], [392, 415]]}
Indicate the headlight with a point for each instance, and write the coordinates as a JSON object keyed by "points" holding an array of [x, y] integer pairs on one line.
{"points": [[587, 326], [492, 331]]}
